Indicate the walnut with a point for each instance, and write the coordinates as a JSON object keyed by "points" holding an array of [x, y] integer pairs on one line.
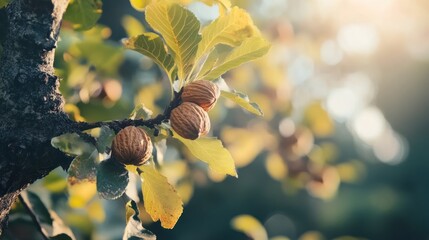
{"points": [[203, 93], [190, 120], [132, 146]]}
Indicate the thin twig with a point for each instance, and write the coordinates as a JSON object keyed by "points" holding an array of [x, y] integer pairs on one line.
{"points": [[117, 125], [33, 217]]}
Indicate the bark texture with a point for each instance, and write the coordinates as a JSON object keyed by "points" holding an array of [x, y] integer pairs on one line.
{"points": [[31, 106]]}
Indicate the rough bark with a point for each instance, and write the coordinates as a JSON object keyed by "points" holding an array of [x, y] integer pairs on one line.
{"points": [[31, 106]]}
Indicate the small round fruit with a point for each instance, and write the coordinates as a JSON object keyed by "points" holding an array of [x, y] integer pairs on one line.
{"points": [[203, 93], [132, 146], [190, 121]]}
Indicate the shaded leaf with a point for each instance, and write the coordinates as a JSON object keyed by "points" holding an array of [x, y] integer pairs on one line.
{"points": [[251, 49], [72, 144], [179, 28], [250, 226], [230, 29], [83, 14], [243, 101], [141, 112], [161, 200], [134, 229], [83, 168], [152, 46], [212, 152], [104, 140], [61, 236], [112, 179], [49, 221]]}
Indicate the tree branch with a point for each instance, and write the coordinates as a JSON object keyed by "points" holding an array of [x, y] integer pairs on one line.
{"points": [[120, 124]]}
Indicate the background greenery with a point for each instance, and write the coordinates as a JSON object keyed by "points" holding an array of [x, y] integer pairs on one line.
{"points": [[341, 149]]}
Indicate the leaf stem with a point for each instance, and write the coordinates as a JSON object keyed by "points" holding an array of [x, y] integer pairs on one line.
{"points": [[33, 217]]}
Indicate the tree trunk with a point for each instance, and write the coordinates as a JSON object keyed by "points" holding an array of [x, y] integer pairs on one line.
{"points": [[31, 106]]}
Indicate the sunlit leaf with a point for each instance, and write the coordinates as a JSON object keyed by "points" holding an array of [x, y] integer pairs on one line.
{"points": [[83, 14], [161, 200], [276, 166], [319, 120], [95, 210], [151, 45], [251, 49], [243, 101], [141, 112], [212, 152], [72, 144], [132, 26], [134, 229], [140, 5], [112, 179], [250, 226], [104, 140], [54, 182], [179, 28], [83, 168], [230, 29], [80, 194]]}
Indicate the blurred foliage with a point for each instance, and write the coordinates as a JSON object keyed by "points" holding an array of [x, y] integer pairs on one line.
{"points": [[307, 167]]}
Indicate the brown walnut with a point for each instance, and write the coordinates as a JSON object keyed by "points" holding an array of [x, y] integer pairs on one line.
{"points": [[190, 120], [203, 93], [132, 146]]}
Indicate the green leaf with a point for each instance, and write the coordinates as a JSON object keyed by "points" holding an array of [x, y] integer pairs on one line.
{"points": [[212, 152], [230, 29], [161, 200], [4, 3], [104, 140], [134, 229], [112, 179], [132, 26], [179, 28], [50, 222], [83, 14], [243, 101], [141, 112], [251, 49], [140, 5], [83, 168], [72, 144], [151, 45], [105, 57]]}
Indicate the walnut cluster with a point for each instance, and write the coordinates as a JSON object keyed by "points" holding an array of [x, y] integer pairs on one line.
{"points": [[190, 119]]}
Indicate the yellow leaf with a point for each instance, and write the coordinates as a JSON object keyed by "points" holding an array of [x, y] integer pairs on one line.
{"points": [[251, 49], [132, 26], [161, 200], [276, 166], [250, 226], [140, 5], [95, 211], [81, 193], [212, 152], [230, 29], [179, 27], [151, 45]]}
